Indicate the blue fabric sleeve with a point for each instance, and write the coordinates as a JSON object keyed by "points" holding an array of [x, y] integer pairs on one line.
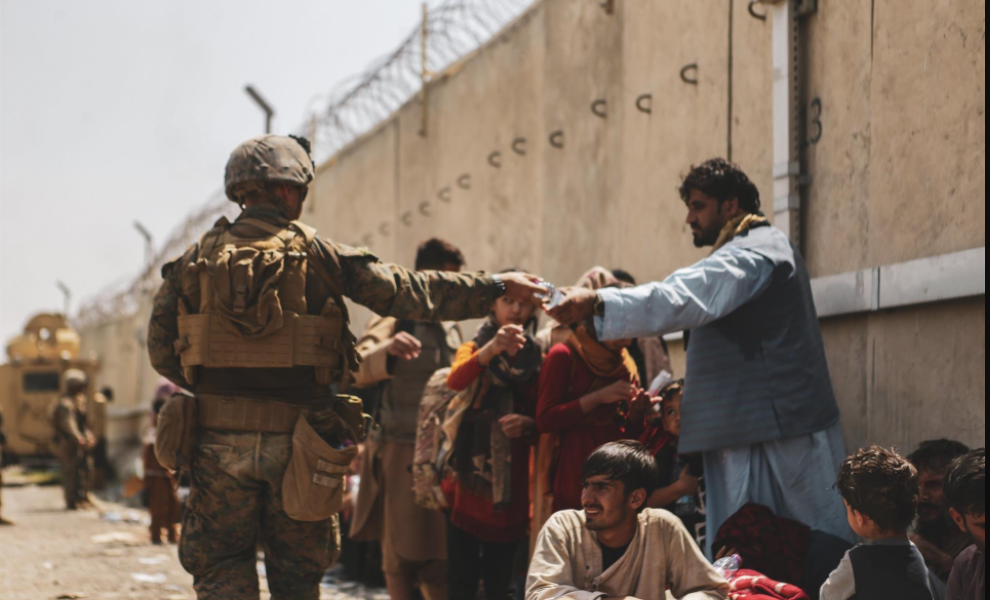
{"points": [[690, 298]]}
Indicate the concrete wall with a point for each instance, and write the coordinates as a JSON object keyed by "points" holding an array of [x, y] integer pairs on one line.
{"points": [[898, 172]]}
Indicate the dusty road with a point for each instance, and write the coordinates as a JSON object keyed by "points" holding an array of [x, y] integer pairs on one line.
{"points": [[52, 554]]}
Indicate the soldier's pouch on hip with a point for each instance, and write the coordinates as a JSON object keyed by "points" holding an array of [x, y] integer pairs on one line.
{"points": [[313, 486], [176, 436]]}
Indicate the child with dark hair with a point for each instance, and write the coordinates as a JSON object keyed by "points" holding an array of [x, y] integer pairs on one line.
{"points": [[163, 503], [680, 476], [965, 491], [616, 547], [880, 490]]}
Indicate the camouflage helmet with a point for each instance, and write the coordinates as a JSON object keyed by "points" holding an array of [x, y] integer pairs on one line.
{"points": [[269, 158], [74, 378]]}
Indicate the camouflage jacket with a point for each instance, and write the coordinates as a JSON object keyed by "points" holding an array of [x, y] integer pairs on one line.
{"points": [[386, 289]]}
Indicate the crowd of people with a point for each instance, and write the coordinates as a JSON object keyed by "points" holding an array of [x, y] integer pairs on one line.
{"points": [[564, 461], [545, 424]]}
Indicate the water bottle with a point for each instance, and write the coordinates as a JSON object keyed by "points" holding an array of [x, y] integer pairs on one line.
{"points": [[728, 567], [553, 297]]}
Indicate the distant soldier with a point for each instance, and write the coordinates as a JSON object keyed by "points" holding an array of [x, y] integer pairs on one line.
{"points": [[3, 443], [73, 440], [102, 469], [252, 320]]}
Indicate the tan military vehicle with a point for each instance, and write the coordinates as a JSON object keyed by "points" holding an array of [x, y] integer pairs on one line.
{"points": [[31, 382]]}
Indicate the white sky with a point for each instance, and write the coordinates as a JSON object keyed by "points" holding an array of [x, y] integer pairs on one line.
{"points": [[113, 111]]}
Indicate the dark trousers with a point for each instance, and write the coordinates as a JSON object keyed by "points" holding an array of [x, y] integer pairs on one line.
{"points": [[472, 561]]}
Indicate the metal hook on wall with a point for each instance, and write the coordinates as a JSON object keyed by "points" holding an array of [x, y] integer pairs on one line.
{"points": [[407, 219], [464, 181], [519, 146], [424, 209], [367, 240], [444, 195], [688, 69], [645, 103], [385, 230], [752, 11], [599, 108], [495, 159], [557, 139], [608, 6]]}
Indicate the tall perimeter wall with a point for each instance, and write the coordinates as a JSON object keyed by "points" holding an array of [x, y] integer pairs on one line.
{"points": [[893, 153]]}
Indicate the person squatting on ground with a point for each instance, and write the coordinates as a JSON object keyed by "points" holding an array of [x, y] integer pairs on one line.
{"points": [[499, 371], [880, 490], [616, 548], [935, 534], [159, 486], [965, 492], [273, 441], [758, 400], [73, 439], [398, 357]]}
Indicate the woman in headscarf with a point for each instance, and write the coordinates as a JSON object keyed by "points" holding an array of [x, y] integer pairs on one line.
{"points": [[497, 373], [589, 396]]}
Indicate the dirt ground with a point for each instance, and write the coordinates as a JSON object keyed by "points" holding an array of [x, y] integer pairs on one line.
{"points": [[101, 554]]}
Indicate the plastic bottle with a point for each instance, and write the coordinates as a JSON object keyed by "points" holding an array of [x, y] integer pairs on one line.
{"points": [[553, 297], [728, 567]]}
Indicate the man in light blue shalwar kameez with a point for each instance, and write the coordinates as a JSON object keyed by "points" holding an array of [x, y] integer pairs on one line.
{"points": [[758, 402]]}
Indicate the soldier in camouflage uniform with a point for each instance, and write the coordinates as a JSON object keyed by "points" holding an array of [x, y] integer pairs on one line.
{"points": [[73, 440], [236, 502]]}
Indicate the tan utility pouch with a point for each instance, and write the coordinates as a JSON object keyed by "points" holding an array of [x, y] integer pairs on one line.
{"points": [[313, 486], [175, 439]]}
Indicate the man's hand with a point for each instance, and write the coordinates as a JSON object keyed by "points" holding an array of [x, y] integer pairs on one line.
{"points": [[576, 307], [523, 287], [517, 426], [405, 347], [932, 554]]}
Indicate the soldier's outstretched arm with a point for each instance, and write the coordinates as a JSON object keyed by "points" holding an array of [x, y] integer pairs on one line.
{"points": [[391, 290], [163, 330]]}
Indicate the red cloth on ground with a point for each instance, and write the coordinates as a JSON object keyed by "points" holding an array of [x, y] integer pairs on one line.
{"points": [[750, 585], [475, 513], [767, 543], [565, 379]]}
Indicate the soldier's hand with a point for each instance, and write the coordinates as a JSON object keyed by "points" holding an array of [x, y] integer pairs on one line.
{"points": [[405, 347], [578, 305], [523, 287]]}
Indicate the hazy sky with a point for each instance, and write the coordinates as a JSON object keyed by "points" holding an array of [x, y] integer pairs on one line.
{"points": [[113, 111]]}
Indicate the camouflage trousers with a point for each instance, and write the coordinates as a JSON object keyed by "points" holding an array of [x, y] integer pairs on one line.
{"points": [[235, 506], [74, 470]]}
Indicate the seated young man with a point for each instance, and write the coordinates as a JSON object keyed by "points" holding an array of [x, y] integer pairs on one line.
{"points": [[938, 538], [965, 491], [616, 549]]}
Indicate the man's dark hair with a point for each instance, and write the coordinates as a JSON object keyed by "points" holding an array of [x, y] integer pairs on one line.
{"points": [[882, 485], [723, 181], [157, 406], [966, 484], [626, 461], [437, 253], [107, 393], [936, 455], [624, 276]]}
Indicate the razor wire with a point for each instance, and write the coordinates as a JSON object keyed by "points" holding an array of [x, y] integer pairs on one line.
{"points": [[451, 30]]}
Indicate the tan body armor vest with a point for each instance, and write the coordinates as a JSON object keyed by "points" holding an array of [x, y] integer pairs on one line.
{"points": [[245, 305]]}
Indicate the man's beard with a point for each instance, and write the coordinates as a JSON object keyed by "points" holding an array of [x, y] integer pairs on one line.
{"points": [[936, 529], [706, 237]]}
